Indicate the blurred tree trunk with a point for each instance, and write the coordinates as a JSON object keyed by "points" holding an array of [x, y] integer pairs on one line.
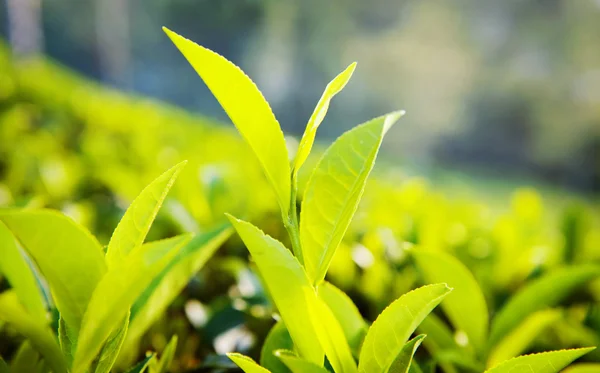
{"points": [[25, 27], [113, 41]]}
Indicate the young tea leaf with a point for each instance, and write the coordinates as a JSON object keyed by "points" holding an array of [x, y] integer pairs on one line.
{"points": [[142, 365], [108, 355], [39, 334], [69, 257], [392, 328], [246, 364], [20, 276], [466, 307], [298, 365], [334, 190], [404, 359], [286, 281], [277, 339], [117, 291], [547, 291], [135, 224], [439, 340], [333, 88], [545, 362], [247, 109]]}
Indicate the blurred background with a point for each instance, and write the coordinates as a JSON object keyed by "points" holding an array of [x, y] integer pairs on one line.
{"points": [[506, 89]]}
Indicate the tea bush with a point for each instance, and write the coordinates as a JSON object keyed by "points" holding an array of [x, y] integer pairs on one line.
{"points": [[524, 277]]}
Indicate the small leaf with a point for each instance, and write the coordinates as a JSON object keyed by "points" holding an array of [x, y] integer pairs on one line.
{"points": [[344, 310], [67, 340], [39, 334], [390, 331], [246, 364], [404, 359], [522, 336], [277, 339], [20, 276], [166, 359], [142, 365], [108, 355], [466, 307], [117, 291], [135, 224], [69, 257], [547, 291], [333, 88], [165, 287], [298, 365], [545, 362], [334, 190], [247, 109], [286, 281], [330, 335]]}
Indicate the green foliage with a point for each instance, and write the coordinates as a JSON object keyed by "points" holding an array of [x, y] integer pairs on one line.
{"points": [[545, 362]]}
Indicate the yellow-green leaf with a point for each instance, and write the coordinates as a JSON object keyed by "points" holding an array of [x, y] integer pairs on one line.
{"points": [[248, 110], [20, 276], [466, 307], [332, 89], [297, 364], [39, 334], [392, 328], [287, 282], [109, 352], [547, 291], [522, 336], [69, 257], [246, 364], [583, 368], [330, 335], [334, 191], [166, 358], [404, 359], [142, 365], [135, 224], [116, 293], [545, 362], [277, 339]]}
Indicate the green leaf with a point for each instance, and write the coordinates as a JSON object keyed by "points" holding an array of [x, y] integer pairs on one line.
{"points": [[247, 109], [439, 339], [166, 359], [135, 224], [298, 365], [26, 360], [277, 339], [20, 276], [330, 335], [246, 364], [116, 293], [547, 291], [522, 336], [545, 362], [165, 287], [39, 334], [67, 340], [466, 307], [69, 257], [404, 359], [334, 191], [142, 365], [583, 368], [107, 356], [332, 89], [344, 310], [286, 281], [390, 331], [3, 366]]}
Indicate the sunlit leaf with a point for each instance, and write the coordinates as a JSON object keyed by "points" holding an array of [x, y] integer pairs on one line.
{"points": [[20, 276], [392, 328], [308, 138], [522, 336], [404, 359], [247, 109], [117, 292], [334, 191], [277, 339], [439, 339], [135, 224], [297, 364], [547, 291], [109, 352], [39, 334], [69, 257], [466, 307], [246, 364], [287, 282], [545, 362]]}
